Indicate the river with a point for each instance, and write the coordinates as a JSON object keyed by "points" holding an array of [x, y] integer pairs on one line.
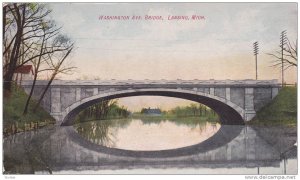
{"points": [[152, 146]]}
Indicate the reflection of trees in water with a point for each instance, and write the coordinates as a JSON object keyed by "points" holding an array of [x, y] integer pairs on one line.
{"points": [[101, 132], [199, 128], [47, 149], [184, 121], [214, 125], [211, 126], [27, 154], [195, 123]]}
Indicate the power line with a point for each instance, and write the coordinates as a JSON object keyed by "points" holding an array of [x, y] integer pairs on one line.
{"points": [[282, 43], [255, 46]]}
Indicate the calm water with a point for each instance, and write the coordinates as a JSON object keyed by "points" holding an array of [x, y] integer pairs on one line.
{"points": [[185, 146], [139, 135]]}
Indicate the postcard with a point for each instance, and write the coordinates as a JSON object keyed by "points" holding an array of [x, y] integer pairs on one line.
{"points": [[150, 88]]}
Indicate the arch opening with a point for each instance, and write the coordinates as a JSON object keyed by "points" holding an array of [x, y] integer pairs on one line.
{"points": [[228, 115]]}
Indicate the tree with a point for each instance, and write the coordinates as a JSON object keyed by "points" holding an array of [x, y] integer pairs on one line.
{"points": [[286, 57], [36, 67], [143, 111], [31, 36], [56, 68], [290, 58], [24, 29], [102, 110], [17, 12]]}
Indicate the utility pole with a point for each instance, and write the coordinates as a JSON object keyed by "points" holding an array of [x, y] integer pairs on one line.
{"points": [[255, 47], [282, 43]]}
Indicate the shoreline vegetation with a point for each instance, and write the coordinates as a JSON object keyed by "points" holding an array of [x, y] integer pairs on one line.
{"points": [[281, 111], [34, 47], [110, 110], [193, 111], [13, 119]]}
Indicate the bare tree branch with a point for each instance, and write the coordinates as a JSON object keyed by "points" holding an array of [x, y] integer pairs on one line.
{"points": [[289, 55]]}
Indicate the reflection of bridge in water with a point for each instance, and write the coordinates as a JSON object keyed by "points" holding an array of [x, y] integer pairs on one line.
{"points": [[235, 101], [60, 148]]}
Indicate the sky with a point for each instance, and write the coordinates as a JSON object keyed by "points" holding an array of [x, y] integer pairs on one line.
{"points": [[220, 46]]}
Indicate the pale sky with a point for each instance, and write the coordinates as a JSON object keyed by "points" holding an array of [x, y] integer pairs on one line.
{"points": [[136, 103], [219, 47]]}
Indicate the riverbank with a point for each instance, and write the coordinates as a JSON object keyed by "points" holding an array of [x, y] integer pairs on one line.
{"points": [[281, 111], [13, 119]]}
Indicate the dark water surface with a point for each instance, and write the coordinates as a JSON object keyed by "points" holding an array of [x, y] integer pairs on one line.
{"points": [[185, 146]]}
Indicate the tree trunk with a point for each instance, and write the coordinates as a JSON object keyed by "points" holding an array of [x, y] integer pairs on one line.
{"points": [[43, 94], [35, 77], [56, 71], [15, 52], [29, 96], [4, 21]]}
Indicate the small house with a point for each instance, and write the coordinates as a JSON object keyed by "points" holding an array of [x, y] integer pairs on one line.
{"points": [[24, 72], [155, 111]]}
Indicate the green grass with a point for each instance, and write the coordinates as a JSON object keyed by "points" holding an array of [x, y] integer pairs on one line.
{"points": [[13, 108], [282, 110]]}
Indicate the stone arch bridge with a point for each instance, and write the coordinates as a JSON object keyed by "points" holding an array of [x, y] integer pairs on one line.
{"points": [[235, 101]]}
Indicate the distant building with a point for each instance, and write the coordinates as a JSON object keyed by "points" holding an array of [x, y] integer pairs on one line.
{"points": [[149, 111], [24, 72]]}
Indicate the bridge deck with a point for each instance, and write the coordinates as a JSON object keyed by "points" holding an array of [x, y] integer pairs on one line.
{"points": [[227, 83]]}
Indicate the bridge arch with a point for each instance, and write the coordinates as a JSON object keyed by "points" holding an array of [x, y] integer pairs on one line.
{"points": [[228, 112]]}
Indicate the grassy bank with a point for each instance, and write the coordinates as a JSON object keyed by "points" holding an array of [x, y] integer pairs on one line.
{"points": [[282, 110], [13, 119]]}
